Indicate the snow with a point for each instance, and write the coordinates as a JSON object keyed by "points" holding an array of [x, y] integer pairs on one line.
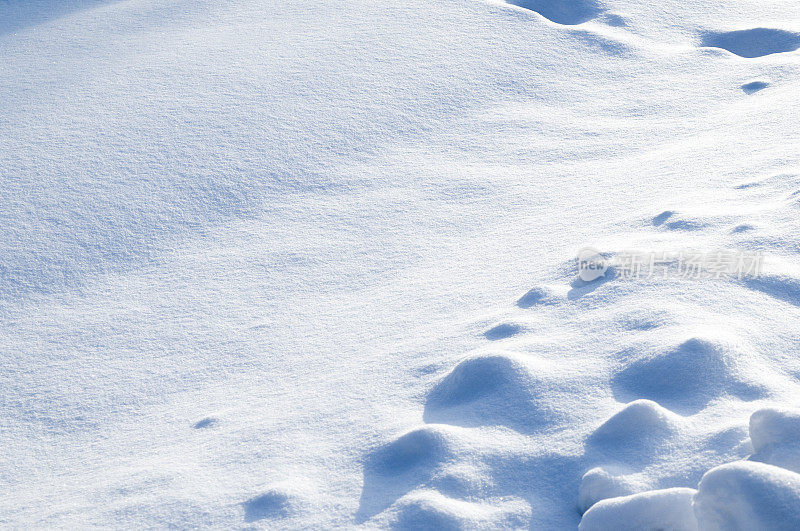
{"points": [[668, 509], [754, 42], [748, 496], [312, 265]]}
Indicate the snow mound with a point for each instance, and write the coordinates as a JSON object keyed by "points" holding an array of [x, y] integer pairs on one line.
{"points": [[280, 500], [752, 494], [775, 435], [755, 42], [748, 495], [419, 447], [636, 431], [568, 12], [773, 426], [686, 377], [506, 389], [448, 465], [668, 509], [782, 287], [429, 509], [600, 483]]}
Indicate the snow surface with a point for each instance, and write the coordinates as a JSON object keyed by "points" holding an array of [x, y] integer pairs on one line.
{"points": [[311, 264]]}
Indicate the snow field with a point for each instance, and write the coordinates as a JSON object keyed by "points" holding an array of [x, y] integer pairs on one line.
{"points": [[292, 265]]}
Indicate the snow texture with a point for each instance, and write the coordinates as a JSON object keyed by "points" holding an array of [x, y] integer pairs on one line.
{"points": [[292, 265]]}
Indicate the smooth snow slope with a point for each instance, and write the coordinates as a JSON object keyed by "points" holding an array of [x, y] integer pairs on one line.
{"points": [[292, 264]]}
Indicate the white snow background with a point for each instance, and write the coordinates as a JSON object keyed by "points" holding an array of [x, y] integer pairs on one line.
{"points": [[290, 264]]}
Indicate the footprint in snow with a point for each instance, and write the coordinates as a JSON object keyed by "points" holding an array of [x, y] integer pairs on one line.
{"points": [[744, 227], [502, 331], [751, 87], [207, 422], [536, 296], [672, 221]]}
